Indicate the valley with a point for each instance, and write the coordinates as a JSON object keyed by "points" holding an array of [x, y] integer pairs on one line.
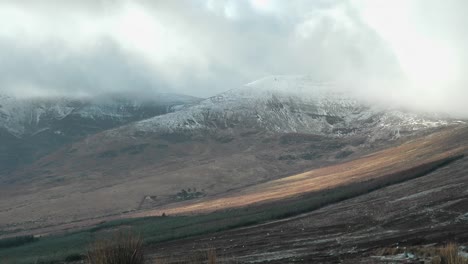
{"points": [[233, 132], [264, 158]]}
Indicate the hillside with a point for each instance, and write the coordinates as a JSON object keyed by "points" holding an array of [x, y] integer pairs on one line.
{"points": [[33, 127], [411, 216], [411, 195], [289, 104], [414, 157], [256, 134]]}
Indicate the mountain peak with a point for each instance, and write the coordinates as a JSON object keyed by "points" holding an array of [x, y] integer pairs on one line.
{"points": [[284, 104]]}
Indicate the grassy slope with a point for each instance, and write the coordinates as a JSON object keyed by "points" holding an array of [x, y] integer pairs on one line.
{"points": [[88, 186], [291, 196], [393, 160]]}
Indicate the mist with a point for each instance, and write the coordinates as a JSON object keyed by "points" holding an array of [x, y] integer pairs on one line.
{"points": [[409, 53]]}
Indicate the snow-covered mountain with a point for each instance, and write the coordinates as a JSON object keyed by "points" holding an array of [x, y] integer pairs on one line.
{"points": [[284, 104], [25, 117], [277, 126], [277, 104], [33, 127]]}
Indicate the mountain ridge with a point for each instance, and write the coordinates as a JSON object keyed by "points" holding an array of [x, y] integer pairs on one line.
{"points": [[33, 127], [291, 104]]}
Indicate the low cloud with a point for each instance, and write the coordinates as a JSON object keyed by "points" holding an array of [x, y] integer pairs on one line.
{"points": [[409, 53]]}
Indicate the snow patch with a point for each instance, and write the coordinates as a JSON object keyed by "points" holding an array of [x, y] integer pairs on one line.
{"points": [[285, 104]]}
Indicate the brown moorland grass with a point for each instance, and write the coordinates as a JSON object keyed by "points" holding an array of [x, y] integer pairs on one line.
{"points": [[124, 247], [425, 155], [390, 162], [380, 167], [448, 254]]}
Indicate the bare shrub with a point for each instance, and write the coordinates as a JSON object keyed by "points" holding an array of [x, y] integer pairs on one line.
{"points": [[211, 256], [449, 255], [439, 255], [122, 248]]}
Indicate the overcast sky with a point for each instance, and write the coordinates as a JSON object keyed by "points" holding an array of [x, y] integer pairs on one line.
{"points": [[412, 52]]}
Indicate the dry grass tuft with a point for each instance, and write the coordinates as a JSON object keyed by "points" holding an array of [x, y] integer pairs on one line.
{"points": [[124, 247], [211, 256], [449, 255], [437, 255]]}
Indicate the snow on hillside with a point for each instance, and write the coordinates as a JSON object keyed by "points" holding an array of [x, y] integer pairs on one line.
{"points": [[16, 115], [289, 104], [28, 116], [273, 104]]}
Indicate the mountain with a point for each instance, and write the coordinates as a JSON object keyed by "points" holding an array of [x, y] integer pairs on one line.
{"points": [[397, 222], [263, 131], [290, 104], [33, 127]]}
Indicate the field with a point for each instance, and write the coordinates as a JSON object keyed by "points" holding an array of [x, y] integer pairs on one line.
{"points": [[270, 201]]}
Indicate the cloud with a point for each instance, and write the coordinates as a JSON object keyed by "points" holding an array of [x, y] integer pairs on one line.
{"points": [[429, 43], [402, 50]]}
